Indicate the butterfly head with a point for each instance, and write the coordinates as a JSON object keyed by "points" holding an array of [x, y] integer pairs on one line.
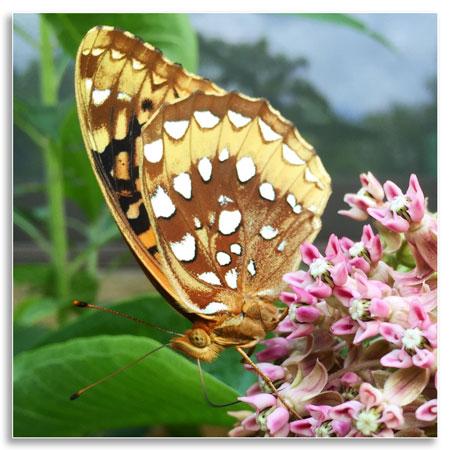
{"points": [[198, 342]]}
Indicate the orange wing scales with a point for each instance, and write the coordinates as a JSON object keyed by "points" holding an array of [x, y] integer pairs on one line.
{"points": [[120, 83], [213, 191]]}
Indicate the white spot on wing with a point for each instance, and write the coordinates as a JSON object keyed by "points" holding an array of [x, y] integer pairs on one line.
{"points": [[184, 250], [224, 155], [153, 151], [197, 223], [296, 207], [268, 232], [137, 65], [251, 267], [223, 258], [267, 191], [123, 96], [210, 278], [212, 217], [88, 84], [269, 135], [245, 168], [229, 221], [97, 51], [237, 119], [206, 119], [176, 129], [224, 200], [183, 185], [162, 204], [116, 54], [291, 157], [205, 168], [309, 176], [99, 96], [281, 246], [290, 198], [213, 307], [231, 278], [236, 249]]}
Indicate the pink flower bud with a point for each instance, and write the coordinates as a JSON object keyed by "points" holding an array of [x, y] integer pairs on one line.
{"points": [[319, 412], [309, 253], [379, 308], [427, 411], [307, 314], [277, 420], [346, 411], [272, 371], [369, 395], [391, 332], [303, 427], [372, 186], [259, 401], [397, 358], [393, 416], [423, 358], [344, 326], [350, 379]]}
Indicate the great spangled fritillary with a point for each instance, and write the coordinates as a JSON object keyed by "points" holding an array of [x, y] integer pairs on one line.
{"points": [[212, 191]]}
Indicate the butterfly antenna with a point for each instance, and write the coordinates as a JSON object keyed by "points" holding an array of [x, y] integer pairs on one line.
{"points": [[80, 304], [205, 392], [267, 380], [80, 392]]}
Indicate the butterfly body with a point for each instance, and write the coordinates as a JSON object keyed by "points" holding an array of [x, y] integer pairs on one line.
{"points": [[212, 191]]}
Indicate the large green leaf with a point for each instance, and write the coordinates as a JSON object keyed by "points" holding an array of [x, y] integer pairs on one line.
{"points": [[172, 33], [163, 389], [154, 309]]}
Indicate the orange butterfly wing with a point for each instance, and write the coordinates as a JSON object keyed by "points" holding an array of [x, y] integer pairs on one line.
{"points": [[120, 82]]}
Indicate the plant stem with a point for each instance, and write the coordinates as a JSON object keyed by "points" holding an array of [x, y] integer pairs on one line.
{"points": [[54, 177]]}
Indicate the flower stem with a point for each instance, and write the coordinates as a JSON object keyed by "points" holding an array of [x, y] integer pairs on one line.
{"points": [[54, 176]]}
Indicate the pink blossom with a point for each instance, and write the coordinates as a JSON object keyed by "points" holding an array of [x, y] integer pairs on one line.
{"points": [[400, 210], [416, 342], [370, 195], [366, 253]]}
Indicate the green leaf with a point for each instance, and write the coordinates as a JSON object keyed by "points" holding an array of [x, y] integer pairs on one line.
{"points": [[33, 310], [163, 389], [26, 337], [172, 33], [36, 275], [349, 21], [154, 309]]}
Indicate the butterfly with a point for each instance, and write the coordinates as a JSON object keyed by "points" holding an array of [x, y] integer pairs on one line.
{"points": [[213, 191]]}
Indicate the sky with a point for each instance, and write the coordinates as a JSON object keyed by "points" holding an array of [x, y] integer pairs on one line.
{"points": [[357, 74]]}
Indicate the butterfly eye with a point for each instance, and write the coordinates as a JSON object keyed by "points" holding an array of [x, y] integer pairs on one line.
{"points": [[199, 338]]}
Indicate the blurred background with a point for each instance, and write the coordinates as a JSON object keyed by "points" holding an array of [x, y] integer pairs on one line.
{"points": [[361, 88]]}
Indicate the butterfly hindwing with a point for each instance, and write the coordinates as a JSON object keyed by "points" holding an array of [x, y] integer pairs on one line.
{"points": [[232, 190]]}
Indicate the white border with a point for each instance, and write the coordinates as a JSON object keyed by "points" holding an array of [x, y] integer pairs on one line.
{"points": [[420, 6]]}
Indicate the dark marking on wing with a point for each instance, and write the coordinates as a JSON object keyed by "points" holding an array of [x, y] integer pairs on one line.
{"points": [[126, 190]]}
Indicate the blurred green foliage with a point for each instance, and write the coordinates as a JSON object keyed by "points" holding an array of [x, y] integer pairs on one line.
{"points": [[59, 208]]}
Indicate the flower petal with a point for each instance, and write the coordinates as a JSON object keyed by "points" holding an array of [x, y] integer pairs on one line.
{"points": [[397, 358], [405, 385]]}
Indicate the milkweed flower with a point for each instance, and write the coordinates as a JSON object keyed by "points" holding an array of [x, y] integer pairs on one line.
{"points": [[355, 355]]}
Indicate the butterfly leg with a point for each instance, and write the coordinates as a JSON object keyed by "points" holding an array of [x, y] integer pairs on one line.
{"points": [[268, 382]]}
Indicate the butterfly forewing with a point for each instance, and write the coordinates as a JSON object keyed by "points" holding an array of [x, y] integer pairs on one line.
{"points": [[232, 190], [120, 83]]}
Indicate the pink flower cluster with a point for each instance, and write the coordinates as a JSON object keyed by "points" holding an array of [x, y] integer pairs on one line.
{"points": [[355, 355]]}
